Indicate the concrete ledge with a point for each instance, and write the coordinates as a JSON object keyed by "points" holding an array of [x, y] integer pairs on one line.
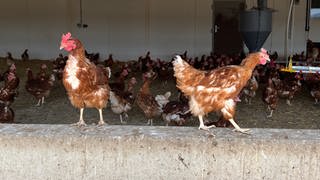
{"points": [[142, 152]]}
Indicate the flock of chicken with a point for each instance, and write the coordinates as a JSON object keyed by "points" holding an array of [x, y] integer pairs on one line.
{"points": [[213, 83]]}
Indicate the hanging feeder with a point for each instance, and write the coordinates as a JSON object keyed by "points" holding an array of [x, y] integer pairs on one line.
{"points": [[81, 24]]}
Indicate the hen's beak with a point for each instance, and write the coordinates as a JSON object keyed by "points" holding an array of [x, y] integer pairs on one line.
{"points": [[61, 47], [268, 59]]}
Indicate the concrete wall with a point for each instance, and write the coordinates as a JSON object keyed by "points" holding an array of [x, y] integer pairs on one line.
{"points": [[127, 28], [142, 152]]}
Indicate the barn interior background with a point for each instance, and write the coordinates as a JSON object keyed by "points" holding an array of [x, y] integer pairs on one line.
{"points": [[130, 28]]}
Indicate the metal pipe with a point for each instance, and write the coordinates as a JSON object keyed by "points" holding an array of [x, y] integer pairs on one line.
{"points": [[308, 7], [262, 4], [287, 29], [306, 69]]}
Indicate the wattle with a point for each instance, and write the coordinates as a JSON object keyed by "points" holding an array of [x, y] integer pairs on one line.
{"points": [[263, 61]]}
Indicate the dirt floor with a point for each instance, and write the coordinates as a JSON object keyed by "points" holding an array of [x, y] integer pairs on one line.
{"points": [[58, 110]]}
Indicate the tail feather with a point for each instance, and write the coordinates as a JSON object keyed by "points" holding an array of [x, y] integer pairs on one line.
{"points": [[186, 75]]}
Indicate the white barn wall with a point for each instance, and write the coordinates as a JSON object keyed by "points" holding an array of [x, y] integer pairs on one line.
{"points": [[314, 33], [126, 29], [35, 25]]}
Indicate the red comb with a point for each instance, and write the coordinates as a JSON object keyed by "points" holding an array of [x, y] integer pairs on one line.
{"points": [[12, 67], [66, 37], [263, 50]]}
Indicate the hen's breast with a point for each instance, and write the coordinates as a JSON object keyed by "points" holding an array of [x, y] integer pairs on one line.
{"points": [[71, 74]]}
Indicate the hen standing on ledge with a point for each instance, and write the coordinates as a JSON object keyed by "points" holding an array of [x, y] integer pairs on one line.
{"points": [[86, 83], [216, 90]]}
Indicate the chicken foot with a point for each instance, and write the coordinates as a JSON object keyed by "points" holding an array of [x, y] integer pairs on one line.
{"points": [[237, 128], [81, 121], [40, 101], [101, 121], [150, 122], [204, 127], [121, 119], [270, 115]]}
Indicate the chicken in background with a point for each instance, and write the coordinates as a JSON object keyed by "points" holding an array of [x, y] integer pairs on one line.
{"points": [[86, 84], [93, 57], [38, 86], [144, 62], [9, 91], [9, 59], [184, 55], [6, 114], [25, 55], [249, 91], [10, 77], [146, 101], [270, 97], [164, 71], [216, 90], [43, 74], [176, 113], [58, 65], [312, 82], [109, 62], [163, 99], [119, 84], [315, 93], [9, 56], [288, 87], [121, 101]]}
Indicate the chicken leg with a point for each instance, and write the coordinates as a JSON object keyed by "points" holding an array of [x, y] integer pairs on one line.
{"points": [[150, 122], [81, 121], [237, 128], [101, 121], [228, 113], [39, 103], [121, 118], [202, 126], [42, 100], [271, 111]]}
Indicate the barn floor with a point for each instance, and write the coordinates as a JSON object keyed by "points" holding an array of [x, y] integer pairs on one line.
{"points": [[58, 110]]}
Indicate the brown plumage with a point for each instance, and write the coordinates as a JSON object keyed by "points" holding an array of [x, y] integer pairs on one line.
{"points": [[146, 101], [121, 101], [288, 87], [39, 87], [176, 113], [109, 62], [215, 90], [25, 55], [119, 84], [58, 65], [270, 97], [10, 89], [249, 91], [86, 83], [6, 114]]}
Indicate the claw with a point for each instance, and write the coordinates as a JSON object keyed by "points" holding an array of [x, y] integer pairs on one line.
{"points": [[244, 131], [79, 124], [101, 123], [206, 128]]}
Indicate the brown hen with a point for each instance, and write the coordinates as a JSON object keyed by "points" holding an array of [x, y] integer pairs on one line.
{"points": [[216, 90]]}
